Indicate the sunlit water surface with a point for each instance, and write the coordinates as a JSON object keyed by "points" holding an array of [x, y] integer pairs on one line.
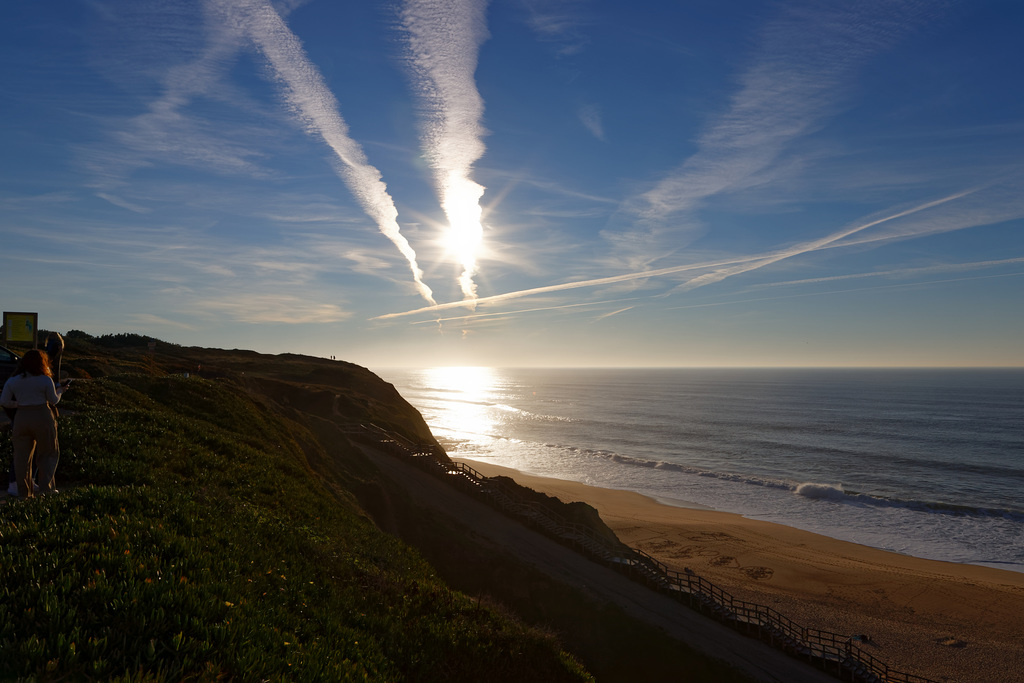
{"points": [[924, 462]]}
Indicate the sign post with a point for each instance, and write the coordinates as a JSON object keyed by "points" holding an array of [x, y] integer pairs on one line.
{"points": [[21, 327]]}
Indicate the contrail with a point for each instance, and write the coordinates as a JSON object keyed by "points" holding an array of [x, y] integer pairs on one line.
{"points": [[741, 264], [897, 285], [311, 100], [509, 314], [444, 39], [813, 245], [625, 277], [608, 315], [901, 272]]}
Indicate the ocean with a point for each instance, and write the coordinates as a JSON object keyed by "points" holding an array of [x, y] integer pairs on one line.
{"points": [[928, 463]]}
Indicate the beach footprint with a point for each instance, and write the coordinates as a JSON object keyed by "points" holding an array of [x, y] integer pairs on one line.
{"points": [[668, 548], [758, 573], [952, 642], [705, 536], [724, 560]]}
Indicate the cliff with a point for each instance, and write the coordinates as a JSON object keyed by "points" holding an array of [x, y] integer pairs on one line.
{"points": [[222, 516]]}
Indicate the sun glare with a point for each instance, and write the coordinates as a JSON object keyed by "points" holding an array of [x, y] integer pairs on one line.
{"points": [[469, 414], [465, 231]]}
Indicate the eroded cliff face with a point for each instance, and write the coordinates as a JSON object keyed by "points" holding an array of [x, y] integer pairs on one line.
{"points": [[369, 402]]}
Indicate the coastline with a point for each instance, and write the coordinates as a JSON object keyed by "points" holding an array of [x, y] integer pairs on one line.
{"points": [[942, 620]]}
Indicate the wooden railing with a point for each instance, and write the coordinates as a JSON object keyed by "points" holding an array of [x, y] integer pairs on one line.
{"points": [[838, 655]]}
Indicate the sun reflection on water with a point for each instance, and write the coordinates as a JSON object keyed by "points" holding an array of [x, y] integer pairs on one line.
{"points": [[469, 412]]}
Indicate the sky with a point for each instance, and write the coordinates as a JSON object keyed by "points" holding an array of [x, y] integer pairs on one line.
{"points": [[413, 183]]}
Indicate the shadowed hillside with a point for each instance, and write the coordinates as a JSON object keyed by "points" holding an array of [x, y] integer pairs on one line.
{"points": [[217, 520]]}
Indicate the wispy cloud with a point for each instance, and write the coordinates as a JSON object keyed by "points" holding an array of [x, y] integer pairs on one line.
{"points": [[590, 117], [550, 185], [192, 278], [167, 131], [444, 39], [151, 320], [33, 202], [124, 204], [312, 102], [558, 22], [799, 77], [272, 308]]}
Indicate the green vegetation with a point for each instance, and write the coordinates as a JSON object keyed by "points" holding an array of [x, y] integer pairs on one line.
{"points": [[193, 540], [214, 523]]}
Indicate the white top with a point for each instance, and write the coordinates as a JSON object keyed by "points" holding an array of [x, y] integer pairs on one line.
{"points": [[29, 390]]}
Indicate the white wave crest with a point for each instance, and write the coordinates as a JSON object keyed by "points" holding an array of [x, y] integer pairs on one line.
{"points": [[821, 491]]}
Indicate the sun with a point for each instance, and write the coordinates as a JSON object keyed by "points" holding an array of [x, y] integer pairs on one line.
{"points": [[465, 234]]}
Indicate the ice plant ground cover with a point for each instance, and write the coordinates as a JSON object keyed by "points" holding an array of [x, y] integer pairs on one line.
{"points": [[187, 543]]}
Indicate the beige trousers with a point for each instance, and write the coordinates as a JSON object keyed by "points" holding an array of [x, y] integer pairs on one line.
{"points": [[35, 434]]}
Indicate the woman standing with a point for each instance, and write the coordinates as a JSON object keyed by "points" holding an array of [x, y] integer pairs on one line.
{"points": [[34, 431]]}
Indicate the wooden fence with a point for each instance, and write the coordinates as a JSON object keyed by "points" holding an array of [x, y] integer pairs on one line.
{"points": [[838, 655]]}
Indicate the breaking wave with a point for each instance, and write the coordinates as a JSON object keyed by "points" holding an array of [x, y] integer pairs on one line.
{"points": [[832, 493]]}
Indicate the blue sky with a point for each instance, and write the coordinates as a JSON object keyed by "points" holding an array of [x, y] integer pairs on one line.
{"points": [[521, 182]]}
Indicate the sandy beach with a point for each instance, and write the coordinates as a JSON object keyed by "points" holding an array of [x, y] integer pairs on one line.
{"points": [[945, 621]]}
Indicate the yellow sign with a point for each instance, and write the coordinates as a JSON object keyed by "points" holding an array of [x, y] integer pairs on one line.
{"points": [[21, 327]]}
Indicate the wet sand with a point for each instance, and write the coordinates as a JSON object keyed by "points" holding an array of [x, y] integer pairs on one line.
{"points": [[941, 620]]}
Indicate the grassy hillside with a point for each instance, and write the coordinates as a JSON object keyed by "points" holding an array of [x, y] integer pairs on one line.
{"points": [[191, 540], [209, 527]]}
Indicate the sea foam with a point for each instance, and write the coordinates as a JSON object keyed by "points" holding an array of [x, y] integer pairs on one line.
{"points": [[833, 492]]}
